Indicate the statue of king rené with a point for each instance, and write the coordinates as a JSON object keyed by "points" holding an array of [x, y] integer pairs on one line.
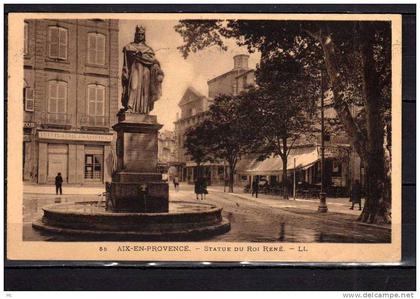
{"points": [[141, 75]]}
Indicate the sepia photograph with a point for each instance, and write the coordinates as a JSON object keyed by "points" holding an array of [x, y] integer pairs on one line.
{"points": [[220, 137]]}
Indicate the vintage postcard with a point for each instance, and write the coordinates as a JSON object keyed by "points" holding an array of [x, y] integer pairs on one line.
{"points": [[204, 137]]}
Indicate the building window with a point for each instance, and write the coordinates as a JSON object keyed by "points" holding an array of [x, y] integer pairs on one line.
{"points": [[57, 97], [28, 95], [25, 39], [96, 99], [96, 48], [93, 167], [57, 42]]}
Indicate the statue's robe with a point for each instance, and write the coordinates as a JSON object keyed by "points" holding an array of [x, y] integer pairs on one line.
{"points": [[141, 78]]}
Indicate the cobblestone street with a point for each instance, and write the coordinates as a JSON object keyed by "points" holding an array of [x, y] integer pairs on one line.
{"points": [[266, 219]]}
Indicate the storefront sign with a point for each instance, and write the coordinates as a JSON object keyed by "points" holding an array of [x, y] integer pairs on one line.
{"points": [[74, 136]]}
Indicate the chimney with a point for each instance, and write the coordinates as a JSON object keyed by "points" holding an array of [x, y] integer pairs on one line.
{"points": [[240, 62]]}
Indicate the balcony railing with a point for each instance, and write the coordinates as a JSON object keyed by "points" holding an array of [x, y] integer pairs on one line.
{"points": [[56, 120], [94, 122]]}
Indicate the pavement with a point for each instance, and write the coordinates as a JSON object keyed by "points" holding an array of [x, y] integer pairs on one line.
{"points": [[337, 205], [67, 189], [267, 218]]}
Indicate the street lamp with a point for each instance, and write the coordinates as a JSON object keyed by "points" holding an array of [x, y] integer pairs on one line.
{"points": [[322, 195]]}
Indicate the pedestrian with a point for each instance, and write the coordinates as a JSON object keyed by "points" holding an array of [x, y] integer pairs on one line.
{"points": [[356, 195], [58, 184], [176, 183], [197, 187], [204, 188], [255, 187]]}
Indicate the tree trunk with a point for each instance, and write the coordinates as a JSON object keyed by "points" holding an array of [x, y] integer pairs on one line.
{"points": [[370, 147], [357, 138], [284, 177], [231, 179], [232, 166], [375, 170]]}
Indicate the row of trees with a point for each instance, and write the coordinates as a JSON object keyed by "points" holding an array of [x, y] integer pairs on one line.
{"points": [[356, 57], [266, 120]]}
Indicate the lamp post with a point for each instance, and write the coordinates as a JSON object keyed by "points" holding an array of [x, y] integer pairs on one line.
{"points": [[322, 195], [224, 175], [294, 178]]}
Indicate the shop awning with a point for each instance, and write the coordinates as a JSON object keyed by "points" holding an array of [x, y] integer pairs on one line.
{"points": [[305, 158], [193, 164]]}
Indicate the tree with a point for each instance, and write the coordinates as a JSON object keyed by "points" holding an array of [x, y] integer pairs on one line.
{"points": [[281, 109], [196, 143], [372, 50], [356, 56], [222, 135], [231, 138]]}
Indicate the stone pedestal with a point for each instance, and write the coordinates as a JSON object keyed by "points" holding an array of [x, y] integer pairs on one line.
{"points": [[136, 186]]}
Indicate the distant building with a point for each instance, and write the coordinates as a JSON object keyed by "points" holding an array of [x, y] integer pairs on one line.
{"points": [[70, 99], [166, 150], [194, 107], [234, 81]]}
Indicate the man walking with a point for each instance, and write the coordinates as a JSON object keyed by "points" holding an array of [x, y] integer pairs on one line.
{"points": [[58, 184], [176, 183], [255, 187]]}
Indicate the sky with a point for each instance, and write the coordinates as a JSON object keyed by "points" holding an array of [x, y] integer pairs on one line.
{"points": [[180, 73]]}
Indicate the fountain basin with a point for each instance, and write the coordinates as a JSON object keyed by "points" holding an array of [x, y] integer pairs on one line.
{"points": [[184, 221]]}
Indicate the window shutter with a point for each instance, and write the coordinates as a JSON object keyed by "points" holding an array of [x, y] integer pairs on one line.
{"points": [[58, 98], [96, 99], [101, 49], [96, 48], [91, 48], [63, 43], [65, 97], [29, 99], [61, 91], [91, 100], [100, 101], [52, 107], [53, 90], [53, 42], [61, 106]]}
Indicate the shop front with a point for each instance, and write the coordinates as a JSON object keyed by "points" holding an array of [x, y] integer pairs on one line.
{"points": [[81, 158], [215, 173], [303, 171]]}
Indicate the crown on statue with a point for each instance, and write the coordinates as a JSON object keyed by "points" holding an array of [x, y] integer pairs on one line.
{"points": [[140, 29]]}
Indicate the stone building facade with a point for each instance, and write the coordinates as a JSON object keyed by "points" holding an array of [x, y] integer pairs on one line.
{"points": [[70, 99], [194, 107], [232, 82], [167, 155]]}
